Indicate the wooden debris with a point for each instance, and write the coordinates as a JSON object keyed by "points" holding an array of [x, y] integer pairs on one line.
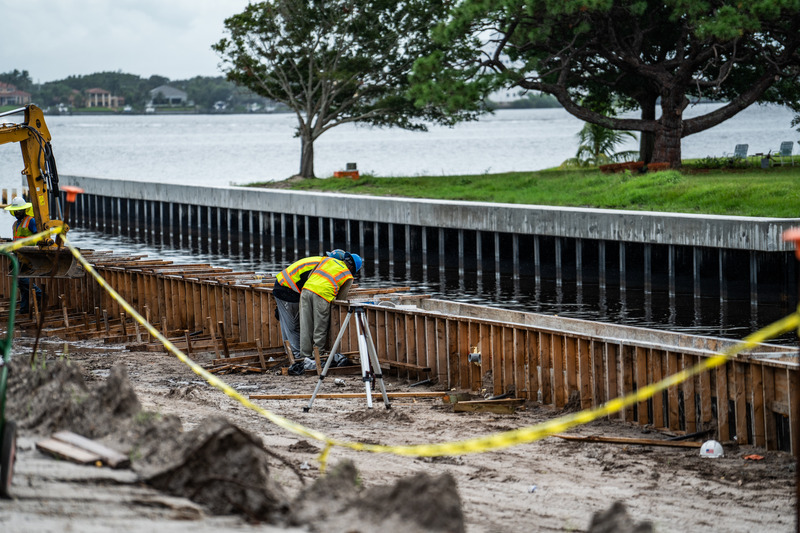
{"points": [[403, 366], [625, 440], [67, 451], [112, 458], [375, 394], [503, 406]]}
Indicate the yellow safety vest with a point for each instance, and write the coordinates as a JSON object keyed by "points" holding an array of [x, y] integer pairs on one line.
{"points": [[327, 278], [290, 276], [21, 229]]}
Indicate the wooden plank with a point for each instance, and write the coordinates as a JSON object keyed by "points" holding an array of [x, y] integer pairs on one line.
{"points": [[641, 382], [705, 394], [723, 427], [488, 406], [627, 369], [770, 427], [571, 355], [546, 358], [375, 394], [520, 364], [399, 339], [421, 356], [674, 421], [689, 402], [67, 451], [498, 383], [559, 388], [452, 353], [657, 358], [793, 397], [112, 458], [464, 374], [740, 402], [404, 366], [507, 350], [442, 359], [476, 370], [532, 349], [391, 343], [757, 401], [612, 373], [598, 372], [629, 441]]}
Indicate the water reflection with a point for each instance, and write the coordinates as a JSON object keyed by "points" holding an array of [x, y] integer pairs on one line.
{"points": [[532, 293]]}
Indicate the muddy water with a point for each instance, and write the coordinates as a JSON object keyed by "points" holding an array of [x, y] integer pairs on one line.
{"points": [[684, 313]]}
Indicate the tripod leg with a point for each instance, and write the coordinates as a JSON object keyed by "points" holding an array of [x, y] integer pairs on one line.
{"points": [[364, 358], [373, 355], [329, 361]]}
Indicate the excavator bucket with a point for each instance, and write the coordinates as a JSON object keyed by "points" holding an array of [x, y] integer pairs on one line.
{"points": [[35, 262]]}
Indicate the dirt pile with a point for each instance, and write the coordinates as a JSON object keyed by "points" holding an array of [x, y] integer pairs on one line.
{"points": [[56, 397], [417, 503], [222, 467], [617, 520], [218, 464]]}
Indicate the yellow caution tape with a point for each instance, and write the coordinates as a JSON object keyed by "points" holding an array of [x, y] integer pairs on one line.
{"points": [[33, 239], [479, 444]]}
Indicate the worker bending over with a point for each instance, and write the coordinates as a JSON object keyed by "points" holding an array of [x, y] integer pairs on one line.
{"points": [[24, 226], [330, 280], [288, 284]]}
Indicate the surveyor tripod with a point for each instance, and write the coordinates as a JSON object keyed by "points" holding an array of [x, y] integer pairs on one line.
{"points": [[367, 356]]}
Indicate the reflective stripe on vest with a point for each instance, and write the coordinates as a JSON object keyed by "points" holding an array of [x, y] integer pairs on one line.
{"points": [[289, 276], [327, 278], [21, 228]]}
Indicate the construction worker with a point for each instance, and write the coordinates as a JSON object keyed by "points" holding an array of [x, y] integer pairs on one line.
{"points": [[288, 284], [331, 279], [24, 226]]}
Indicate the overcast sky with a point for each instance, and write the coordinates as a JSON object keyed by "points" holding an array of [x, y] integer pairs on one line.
{"points": [[53, 39]]}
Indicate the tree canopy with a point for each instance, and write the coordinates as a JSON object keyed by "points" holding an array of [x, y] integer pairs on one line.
{"points": [[638, 54], [335, 61]]}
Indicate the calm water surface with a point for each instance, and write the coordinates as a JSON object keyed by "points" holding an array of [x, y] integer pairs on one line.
{"points": [[237, 149]]}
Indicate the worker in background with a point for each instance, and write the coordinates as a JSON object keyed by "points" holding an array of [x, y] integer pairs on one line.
{"points": [[288, 284], [24, 226], [329, 281]]}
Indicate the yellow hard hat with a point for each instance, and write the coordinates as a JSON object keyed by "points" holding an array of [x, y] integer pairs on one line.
{"points": [[18, 203]]}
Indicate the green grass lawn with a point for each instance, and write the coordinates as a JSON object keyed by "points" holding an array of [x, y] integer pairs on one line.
{"points": [[772, 192]]}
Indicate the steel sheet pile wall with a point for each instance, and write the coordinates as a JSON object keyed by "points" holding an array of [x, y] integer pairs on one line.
{"points": [[751, 398], [737, 258]]}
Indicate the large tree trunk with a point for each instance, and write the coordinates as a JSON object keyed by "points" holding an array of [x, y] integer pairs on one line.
{"points": [[307, 156], [647, 139], [667, 147]]}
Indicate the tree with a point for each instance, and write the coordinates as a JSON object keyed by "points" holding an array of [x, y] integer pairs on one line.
{"points": [[334, 62], [597, 146], [21, 80], [631, 52]]}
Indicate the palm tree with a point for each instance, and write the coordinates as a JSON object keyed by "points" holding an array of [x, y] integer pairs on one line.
{"points": [[597, 144]]}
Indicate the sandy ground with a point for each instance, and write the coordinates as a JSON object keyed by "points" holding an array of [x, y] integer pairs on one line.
{"points": [[550, 485]]}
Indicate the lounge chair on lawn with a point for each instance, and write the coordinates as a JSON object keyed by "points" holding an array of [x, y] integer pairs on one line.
{"points": [[740, 151], [785, 152]]}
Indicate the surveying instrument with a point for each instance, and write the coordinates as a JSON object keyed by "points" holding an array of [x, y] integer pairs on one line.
{"points": [[366, 352]]}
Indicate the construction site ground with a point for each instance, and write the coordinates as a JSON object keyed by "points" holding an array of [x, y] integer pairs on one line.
{"points": [[549, 485]]}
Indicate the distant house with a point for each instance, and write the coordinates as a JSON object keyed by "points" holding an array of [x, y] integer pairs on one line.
{"points": [[101, 98], [9, 95], [169, 96]]}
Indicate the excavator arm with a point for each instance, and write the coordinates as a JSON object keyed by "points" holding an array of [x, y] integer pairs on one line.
{"points": [[41, 175]]}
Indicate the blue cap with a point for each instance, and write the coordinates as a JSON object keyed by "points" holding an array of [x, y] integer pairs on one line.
{"points": [[337, 254], [357, 260]]}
